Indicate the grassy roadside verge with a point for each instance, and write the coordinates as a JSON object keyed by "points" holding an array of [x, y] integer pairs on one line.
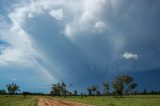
{"points": [[139, 100], [17, 100]]}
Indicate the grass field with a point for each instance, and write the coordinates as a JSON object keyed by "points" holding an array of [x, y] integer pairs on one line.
{"points": [[147, 100], [17, 101]]}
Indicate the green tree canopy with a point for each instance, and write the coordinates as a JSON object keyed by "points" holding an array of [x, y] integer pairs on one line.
{"points": [[12, 88]]}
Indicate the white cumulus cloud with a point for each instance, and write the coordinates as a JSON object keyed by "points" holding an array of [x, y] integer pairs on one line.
{"points": [[99, 25], [128, 56], [57, 14]]}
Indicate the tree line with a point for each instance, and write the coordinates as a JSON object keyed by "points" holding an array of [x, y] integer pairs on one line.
{"points": [[121, 85]]}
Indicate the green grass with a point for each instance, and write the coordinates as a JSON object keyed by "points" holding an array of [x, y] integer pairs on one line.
{"points": [[17, 101], [144, 100], [141, 100]]}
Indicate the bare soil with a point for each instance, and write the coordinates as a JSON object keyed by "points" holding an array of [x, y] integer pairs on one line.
{"points": [[54, 102]]}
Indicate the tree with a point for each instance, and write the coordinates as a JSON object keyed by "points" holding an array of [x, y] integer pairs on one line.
{"points": [[128, 83], [26, 93], [92, 89], [123, 84], [75, 93], [59, 89], [63, 89], [106, 88], [144, 91], [89, 89], [55, 90], [132, 86], [12, 88], [2, 92], [118, 86], [98, 93], [81, 95]]}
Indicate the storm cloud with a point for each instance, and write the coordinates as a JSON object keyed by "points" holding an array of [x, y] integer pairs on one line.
{"points": [[71, 40]]}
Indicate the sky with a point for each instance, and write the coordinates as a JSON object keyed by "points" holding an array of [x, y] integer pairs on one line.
{"points": [[80, 42]]}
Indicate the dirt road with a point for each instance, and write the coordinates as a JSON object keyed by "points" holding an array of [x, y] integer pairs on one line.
{"points": [[54, 102]]}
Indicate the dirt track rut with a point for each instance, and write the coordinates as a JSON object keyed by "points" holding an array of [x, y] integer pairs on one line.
{"points": [[54, 102]]}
